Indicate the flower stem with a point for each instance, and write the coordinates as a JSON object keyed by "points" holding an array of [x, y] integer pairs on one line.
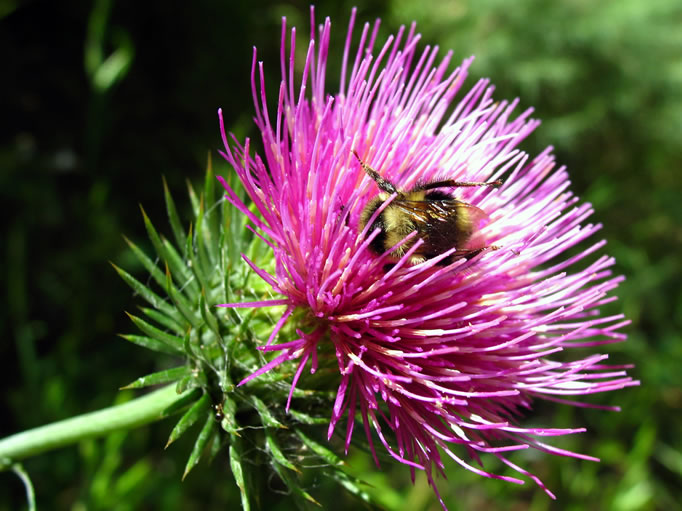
{"points": [[143, 410]]}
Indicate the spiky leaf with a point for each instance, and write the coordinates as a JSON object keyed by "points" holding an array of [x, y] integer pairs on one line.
{"points": [[150, 296], [167, 376], [201, 442], [236, 456], [172, 341], [173, 218], [149, 343]]}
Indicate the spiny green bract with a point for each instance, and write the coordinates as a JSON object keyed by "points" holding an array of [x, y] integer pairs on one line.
{"points": [[200, 267]]}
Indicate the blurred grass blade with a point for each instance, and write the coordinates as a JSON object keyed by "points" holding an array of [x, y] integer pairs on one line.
{"points": [[18, 469], [114, 68], [103, 72]]}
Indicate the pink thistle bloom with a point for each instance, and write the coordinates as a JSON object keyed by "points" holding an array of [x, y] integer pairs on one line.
{"points": [[446, 356]]}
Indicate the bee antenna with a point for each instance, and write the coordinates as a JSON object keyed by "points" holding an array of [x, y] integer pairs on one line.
{"points": [[382, 183]]}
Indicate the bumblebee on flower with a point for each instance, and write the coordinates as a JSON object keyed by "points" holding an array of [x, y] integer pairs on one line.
{"points": [[441, 221]]}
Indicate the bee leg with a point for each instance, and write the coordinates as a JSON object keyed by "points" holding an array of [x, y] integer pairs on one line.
{"points": [[470, 254], [342, 212], [473, 253]]}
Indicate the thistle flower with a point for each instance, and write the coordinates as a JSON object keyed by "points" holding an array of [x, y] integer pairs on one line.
{"points": [[433, 358]]}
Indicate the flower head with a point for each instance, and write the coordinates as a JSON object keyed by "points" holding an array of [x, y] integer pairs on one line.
{"points": [[446, 354]]}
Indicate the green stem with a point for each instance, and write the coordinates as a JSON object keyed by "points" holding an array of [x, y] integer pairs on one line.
{"points": [[143, 410]]}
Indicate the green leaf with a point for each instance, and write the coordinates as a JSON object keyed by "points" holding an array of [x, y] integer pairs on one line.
{"points": [[307, 419], [228, 408], [180, 270], [191, 416], [292, 484], [202, 440], [172, 341], [197, 269], [193, 199], [170, 256], [164, 320], [243, 322], [183, 306], [203, 243], [211, 219], [236, 456], [163, 281], [150, 296], [173, 218], [322, 451], [149, 343], [208, 316], [180, 404], [148, 264], [186, 343], [225, 269], [167, 376], [228, 243], [184, 383], [266, 417], [209, 181], [352, 484], [216, 444], [272, 446]]}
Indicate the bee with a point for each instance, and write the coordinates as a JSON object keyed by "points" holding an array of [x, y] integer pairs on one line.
{"points": [[440, 220]]}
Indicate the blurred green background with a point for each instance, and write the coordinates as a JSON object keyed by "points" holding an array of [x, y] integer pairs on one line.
{"points": [[102, 99]]}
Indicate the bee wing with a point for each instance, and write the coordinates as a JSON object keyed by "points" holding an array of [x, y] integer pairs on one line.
{"points": [[477, 216], [428, 211]]}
